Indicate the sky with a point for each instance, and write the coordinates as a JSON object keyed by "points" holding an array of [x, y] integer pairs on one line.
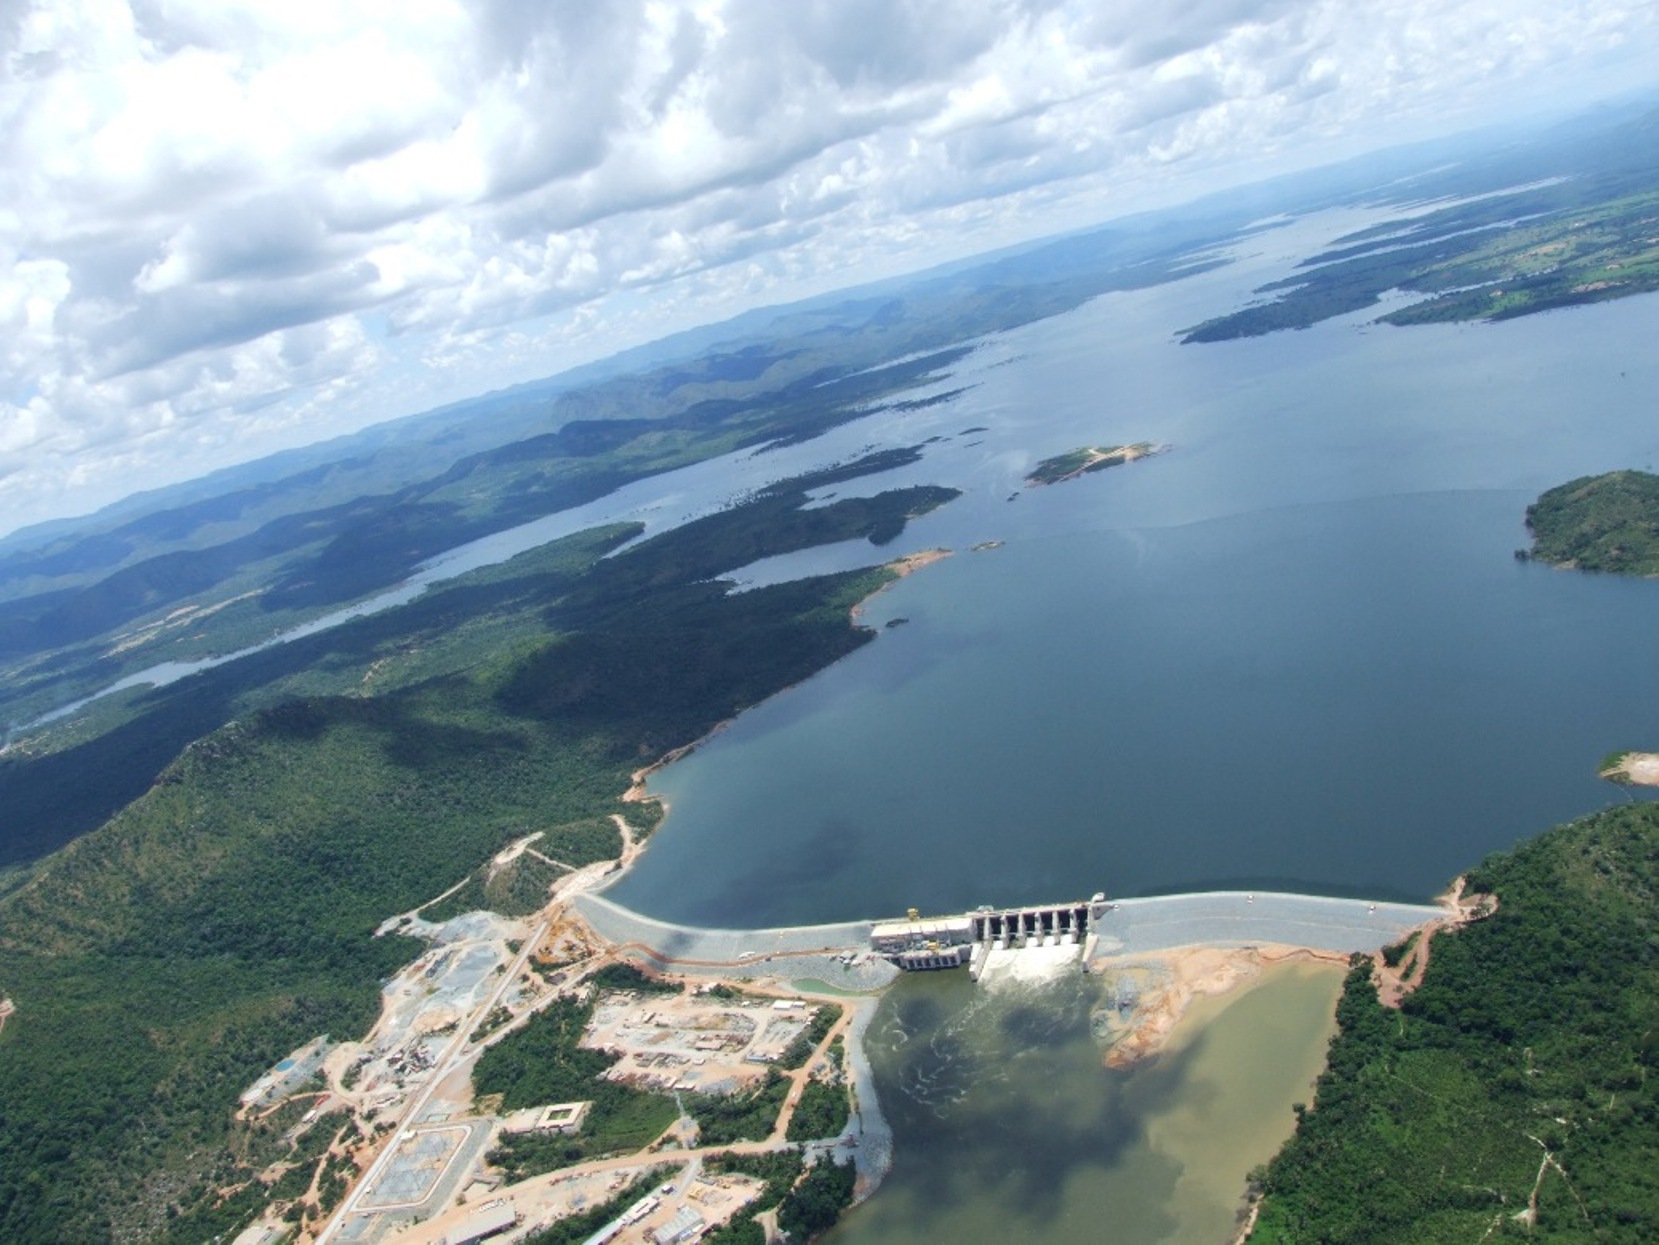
{"points": [[229, 228]]}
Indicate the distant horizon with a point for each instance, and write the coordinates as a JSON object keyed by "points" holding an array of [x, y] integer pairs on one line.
{"points": [[134, 499], [236, 231]]}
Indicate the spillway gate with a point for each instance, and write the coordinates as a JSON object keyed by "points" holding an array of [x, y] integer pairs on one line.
{"points": [[949, 942]]}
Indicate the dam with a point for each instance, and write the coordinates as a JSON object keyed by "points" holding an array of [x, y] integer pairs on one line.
{"points": [[950, 942], [1097, 927]]}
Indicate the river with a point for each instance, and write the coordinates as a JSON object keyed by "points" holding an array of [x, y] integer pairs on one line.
{"points": [[1007, 1128]]}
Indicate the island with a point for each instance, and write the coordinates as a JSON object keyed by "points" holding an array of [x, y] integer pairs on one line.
{"points": [[1607, 522], [1640, 769], [1084, 459]]}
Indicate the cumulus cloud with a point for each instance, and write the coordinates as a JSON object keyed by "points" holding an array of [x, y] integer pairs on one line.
{"points": [[227, 226]]}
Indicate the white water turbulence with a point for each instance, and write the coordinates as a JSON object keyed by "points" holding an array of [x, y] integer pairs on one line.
{"points": [[1013, 968]]}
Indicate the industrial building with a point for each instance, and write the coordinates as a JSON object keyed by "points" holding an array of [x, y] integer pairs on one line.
{"points": [[951, 942], [492, 1220]]}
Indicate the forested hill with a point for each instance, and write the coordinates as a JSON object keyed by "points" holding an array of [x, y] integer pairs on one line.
{"points": [[1599, 523], [1515, 1095], [165, 959]]}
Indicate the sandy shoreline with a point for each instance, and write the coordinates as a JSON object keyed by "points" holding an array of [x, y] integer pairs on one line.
{"points": [[907, 565], [1637, 768], [1165, 983], [1169, 982]]}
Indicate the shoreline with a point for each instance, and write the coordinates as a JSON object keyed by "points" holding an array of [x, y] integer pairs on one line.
{"points": [[909, 564], [637, 793], [1183, 976]]}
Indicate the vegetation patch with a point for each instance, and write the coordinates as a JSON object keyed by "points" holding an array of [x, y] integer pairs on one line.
{"points": [[543, 1062], [1395, 952], [749, 1116], [822, 1112], [624, 976], [1599, 523], [1513, 1095], [814, 1205]]}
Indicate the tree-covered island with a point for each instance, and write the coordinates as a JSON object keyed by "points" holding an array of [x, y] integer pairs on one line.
{"points": [[1084, 459], [1608, 522]]}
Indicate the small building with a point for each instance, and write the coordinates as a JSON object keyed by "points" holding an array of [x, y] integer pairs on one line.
{"points": [[686, 1225], [482, 1224], [561, 1117]]}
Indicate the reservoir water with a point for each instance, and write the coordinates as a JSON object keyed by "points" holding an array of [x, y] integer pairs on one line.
{"points": [[1294, 651]]}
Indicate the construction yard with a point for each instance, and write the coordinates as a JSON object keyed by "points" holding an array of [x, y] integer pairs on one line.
{"points": [[676, 1043]]}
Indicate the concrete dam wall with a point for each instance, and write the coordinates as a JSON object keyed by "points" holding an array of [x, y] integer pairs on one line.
{"points": [[1122, 927]]}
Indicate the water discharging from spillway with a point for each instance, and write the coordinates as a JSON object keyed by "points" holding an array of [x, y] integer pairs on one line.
{"points": [[1009, 1127]]}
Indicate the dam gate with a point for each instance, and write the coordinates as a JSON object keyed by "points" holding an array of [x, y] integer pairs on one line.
{"points": [[951, 942]]}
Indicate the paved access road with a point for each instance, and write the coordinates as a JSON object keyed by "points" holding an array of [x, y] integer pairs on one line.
{"points": [[1244, 918], [682, 943]]}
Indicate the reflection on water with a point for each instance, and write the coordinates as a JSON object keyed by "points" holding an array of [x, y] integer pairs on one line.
{"points": [[1008, 1127]]}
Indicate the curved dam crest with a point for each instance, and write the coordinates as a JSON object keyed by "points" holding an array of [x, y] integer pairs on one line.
{"points": [[1128, 927]]}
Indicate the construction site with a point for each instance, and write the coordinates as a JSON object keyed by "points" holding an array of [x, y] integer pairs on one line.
{"points": [[695, 1043], [412, 1150]]}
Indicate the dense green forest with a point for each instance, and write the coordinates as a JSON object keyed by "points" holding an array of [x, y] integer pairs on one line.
{"points": [[1514, 1095], [225, 915], [1599, 523], [823, 1111]]}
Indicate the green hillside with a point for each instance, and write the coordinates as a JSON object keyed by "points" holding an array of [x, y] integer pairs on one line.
{"points": [[1599, 523], [162, 961], [1514, 1096]]}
